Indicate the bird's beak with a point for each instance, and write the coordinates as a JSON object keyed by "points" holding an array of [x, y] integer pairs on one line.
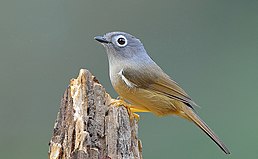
{"points": [[101, 39]]}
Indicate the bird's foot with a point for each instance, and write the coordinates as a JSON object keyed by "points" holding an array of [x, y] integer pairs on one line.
{"points": [[120, 102]]}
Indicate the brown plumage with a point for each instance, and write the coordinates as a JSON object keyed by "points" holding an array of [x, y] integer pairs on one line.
{"points": [[139, 80], [161, 96]]}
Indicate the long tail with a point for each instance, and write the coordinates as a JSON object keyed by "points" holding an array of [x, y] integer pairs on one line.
{"points": [[202, 125]]}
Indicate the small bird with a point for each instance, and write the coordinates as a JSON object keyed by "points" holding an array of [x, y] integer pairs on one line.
{"points": [[139, 80]]}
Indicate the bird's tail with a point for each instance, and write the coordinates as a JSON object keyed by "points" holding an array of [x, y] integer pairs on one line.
{"points": [[202, 125]]}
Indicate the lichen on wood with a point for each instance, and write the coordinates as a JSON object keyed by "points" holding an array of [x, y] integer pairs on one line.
{"points": [[89, 127]]}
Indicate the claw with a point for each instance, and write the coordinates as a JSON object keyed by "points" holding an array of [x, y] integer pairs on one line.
{"points": [[120, 102], [137, 117]]}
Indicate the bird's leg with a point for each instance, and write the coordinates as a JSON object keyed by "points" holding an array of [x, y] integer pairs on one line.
{"points": [[119, 102], [131, 110]]}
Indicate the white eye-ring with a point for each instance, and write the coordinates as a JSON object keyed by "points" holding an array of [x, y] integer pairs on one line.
{"points": [[121, 40]]}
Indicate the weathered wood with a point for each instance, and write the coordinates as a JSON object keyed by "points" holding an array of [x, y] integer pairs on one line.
{"points": [[88, 127]]}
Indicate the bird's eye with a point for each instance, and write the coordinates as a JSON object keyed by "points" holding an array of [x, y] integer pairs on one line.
{"points": [[121, 41]]}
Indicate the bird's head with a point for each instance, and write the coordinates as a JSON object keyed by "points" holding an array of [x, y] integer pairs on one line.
{"points": [[122, 46]]}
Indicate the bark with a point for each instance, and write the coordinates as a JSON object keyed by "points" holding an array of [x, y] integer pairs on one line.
{"points": [[89, 127]]}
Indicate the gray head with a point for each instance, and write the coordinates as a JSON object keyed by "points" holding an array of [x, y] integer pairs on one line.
{"points": [[122, 46]]}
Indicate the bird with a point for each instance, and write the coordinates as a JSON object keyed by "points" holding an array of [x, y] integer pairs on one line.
{"points": [[141, 82]]}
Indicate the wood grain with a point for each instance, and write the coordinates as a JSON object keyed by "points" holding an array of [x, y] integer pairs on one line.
{"points": [[88, 127]]}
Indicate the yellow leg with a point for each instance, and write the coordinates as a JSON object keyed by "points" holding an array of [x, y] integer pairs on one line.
{"points": [[119, 102], [130, 108], [138, 110]]}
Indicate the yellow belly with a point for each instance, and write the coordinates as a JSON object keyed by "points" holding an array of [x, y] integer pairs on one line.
{"points": [[147, 100]]}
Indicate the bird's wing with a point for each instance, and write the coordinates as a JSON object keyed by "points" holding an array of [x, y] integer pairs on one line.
{"points": [[158, 82]]}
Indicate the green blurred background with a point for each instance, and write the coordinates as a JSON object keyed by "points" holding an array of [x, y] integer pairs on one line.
{"points": [[209, 47]]}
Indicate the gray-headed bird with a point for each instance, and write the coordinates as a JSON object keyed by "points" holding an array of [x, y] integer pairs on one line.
{"points": [[139, 80]]}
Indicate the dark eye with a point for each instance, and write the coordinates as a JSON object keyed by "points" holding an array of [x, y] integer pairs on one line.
{"points": [[121, 40]]}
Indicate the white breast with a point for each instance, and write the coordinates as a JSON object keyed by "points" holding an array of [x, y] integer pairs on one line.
{"points": [[125, 80]]}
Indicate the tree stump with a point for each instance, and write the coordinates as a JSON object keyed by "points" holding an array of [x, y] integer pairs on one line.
{"points": [[88, 127]]}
